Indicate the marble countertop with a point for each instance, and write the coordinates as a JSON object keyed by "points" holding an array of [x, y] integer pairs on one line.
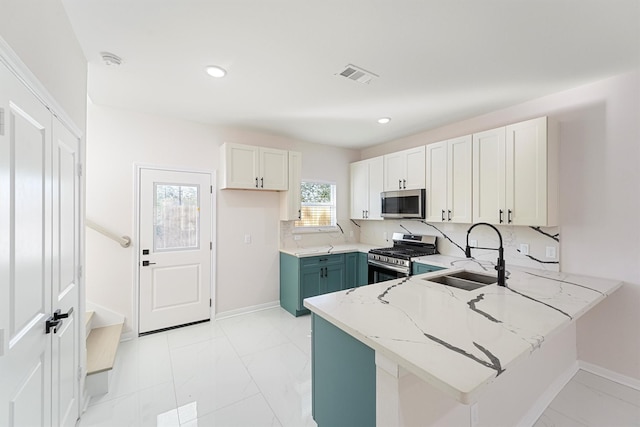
{"points": [[327, 249], [456, 340]]}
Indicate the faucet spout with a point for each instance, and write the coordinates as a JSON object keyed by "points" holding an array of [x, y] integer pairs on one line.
{"points": [[500, 266]]}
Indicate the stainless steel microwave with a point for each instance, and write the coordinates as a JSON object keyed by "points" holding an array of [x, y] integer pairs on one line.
{"points": [[403, 203]]}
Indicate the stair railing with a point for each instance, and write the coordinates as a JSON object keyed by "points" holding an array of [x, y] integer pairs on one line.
{"points": [[124, 241]]}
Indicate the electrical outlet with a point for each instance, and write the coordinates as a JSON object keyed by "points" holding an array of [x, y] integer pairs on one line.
{"points": [[551, 252], [297, 237], [473, 243], [247, 238], [350, 233], [524, 248]]}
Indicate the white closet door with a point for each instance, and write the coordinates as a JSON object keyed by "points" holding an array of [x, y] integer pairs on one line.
{"points": [[25, 256]]}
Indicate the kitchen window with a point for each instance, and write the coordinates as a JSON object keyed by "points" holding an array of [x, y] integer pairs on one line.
{"points": [[318, 200]]}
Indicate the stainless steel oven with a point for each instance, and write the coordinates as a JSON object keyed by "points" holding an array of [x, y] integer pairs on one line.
{"points": [[395, 262]]}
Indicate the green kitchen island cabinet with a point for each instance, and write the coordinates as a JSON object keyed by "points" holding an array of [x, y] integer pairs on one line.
{"points": [[343, 380], [306, 277]]}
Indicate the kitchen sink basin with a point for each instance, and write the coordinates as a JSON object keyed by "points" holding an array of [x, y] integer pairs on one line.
{"points": [[465, 280]]}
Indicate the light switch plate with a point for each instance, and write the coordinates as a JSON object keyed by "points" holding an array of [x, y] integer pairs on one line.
{"points": [[247, 238], [524, 248], [473, 243], [297, 237]]}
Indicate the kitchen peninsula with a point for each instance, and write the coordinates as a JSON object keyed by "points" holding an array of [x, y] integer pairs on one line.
{"points": [[435, 354]]}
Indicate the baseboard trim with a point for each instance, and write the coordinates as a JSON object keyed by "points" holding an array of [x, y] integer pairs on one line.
{"points": [[247, 310], [610, 375], [543, 402]]}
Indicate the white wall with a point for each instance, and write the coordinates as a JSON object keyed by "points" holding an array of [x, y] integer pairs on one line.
{"points": [[247, 274], [599, 201], [40, 33]]}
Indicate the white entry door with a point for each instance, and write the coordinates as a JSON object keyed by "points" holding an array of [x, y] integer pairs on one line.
{"points": [[39, 253], [175, 248]]}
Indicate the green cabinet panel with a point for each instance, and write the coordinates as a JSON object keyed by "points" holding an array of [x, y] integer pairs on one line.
{"points": [[351, 269], [363, 269], [343, 380], [333, 279], [419, 268]]}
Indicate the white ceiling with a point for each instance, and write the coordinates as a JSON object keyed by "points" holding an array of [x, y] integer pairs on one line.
{"points": [[439, 61]]}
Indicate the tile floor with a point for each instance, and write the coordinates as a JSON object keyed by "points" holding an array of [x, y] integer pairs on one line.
{"points": [[255, 370]]}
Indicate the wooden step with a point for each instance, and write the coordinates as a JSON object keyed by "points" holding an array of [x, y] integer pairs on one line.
{"points": [[87, 318], [102, 345]]}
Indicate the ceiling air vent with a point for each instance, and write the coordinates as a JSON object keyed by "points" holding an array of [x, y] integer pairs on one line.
{"points": [[357, 74]]}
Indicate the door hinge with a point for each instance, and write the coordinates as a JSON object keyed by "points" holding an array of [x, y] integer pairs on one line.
{"points": [[210, 302], [79, 169], [79, 373], [210, 246], [80, 272], [211, 188]]}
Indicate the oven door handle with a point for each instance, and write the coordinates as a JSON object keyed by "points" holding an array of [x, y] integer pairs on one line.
{"points": [[388, 267]]}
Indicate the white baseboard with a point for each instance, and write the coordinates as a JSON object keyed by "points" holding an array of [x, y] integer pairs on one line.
{"points": [[610, 375], [103, 316], [547, 397], [246, 310]]}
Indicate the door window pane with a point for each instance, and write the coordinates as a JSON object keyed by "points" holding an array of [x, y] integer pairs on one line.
{"points": [[176, 220]]}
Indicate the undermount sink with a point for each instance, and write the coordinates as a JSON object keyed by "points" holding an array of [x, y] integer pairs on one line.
{"points": [[465, 280]]}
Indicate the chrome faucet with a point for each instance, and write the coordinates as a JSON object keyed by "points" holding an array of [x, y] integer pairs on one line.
{"points": [[500, 267]]}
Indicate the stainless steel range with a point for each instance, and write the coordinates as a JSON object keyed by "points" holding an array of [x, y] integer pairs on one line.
{"points": [[395, 262]]}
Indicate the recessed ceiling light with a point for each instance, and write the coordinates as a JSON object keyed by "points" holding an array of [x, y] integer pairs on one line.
{"points": [[384, 120], [215, 71]]}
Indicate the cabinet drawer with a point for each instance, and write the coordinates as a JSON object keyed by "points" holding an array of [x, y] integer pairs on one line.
{"points": [[322, 260]]}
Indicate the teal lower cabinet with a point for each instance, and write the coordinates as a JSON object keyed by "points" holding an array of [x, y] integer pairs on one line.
{"points": [[419, 268], [363, 269], [302, 278], [343, 378]]}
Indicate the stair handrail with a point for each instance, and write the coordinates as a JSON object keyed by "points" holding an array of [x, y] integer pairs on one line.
{"points": [[124, 241]]}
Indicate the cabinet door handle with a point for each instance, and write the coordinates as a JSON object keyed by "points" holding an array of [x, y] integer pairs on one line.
{"points": [[442, 215], [367, 214], [262, 182], [256, 182], [449, 215], [299, 213], [509, 216], [404, 183], [501, 216], [399, 184]]}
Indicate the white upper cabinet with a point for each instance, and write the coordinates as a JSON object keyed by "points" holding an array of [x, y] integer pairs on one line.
{"points": [[515, 175], [531, 169], [489, 176], [405, 170], [254, 168], [290, 200], [449, 181], [366, 186]]}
